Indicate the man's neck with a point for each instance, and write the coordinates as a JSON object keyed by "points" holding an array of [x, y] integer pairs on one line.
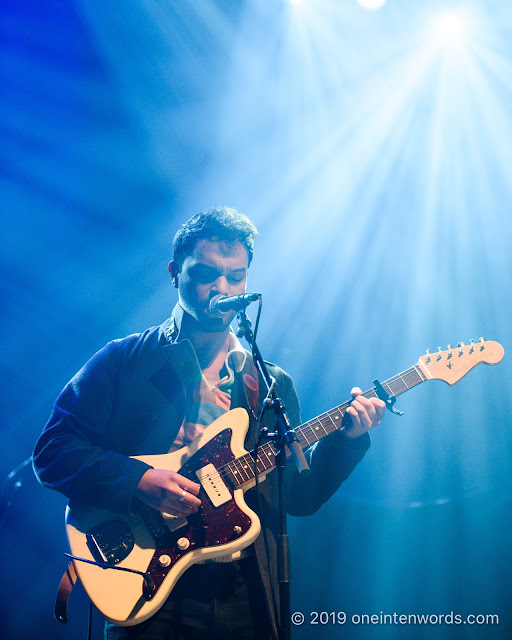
{"points": [[208, 345]]}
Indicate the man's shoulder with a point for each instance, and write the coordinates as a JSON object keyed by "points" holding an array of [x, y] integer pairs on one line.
{"points": [[132, 346], [274, 369], [149, 337], [277, 371]]}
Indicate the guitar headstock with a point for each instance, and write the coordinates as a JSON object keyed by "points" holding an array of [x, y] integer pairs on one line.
{"points": [[453, 364]]}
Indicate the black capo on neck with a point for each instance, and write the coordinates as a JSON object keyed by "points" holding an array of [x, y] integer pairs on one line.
{"points": [[389, 400]]}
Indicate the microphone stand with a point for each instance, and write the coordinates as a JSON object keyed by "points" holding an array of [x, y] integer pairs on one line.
{"points": [[283, 437]]}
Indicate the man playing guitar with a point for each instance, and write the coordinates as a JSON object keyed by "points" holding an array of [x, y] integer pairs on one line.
{"points": [[155, 393]]}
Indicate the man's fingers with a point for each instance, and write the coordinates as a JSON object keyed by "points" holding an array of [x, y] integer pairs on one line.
{"points": [[191, 489], [169, 491], [366, 413], [362, 414], [188, 485], [179, 502], [380, 407], [187, 498]]}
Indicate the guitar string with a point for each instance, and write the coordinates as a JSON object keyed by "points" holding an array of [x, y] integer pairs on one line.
{"points": [[412, 375], [226, 470], [243, 466], [394, 385]]}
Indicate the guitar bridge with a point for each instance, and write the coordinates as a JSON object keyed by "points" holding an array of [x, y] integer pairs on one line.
{"points": [[110, 542]]}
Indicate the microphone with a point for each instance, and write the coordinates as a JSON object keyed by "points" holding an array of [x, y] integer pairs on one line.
{"points": [[221, 305]]}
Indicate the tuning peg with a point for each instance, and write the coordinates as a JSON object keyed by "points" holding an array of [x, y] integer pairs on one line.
{"points": [[472, 341], [428, 355], [482, 345], [439, 356], [450, 347], [481, 340], [461, 344]]}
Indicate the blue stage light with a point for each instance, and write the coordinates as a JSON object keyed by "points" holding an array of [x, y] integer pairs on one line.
{"points": [[371, 5], [451, 29]]}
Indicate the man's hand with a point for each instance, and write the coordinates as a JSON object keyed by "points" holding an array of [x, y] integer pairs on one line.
{"points": [[365, 414], [168, 492]]}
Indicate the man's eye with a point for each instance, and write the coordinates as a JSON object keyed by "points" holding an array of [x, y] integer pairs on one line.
{"points": [[235, 279], [204, 276]]}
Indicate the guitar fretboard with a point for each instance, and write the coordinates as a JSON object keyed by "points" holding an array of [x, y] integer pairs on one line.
{"points": [[242, 470]]}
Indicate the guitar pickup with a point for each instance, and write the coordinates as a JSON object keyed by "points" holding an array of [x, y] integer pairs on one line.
{"points": [[213, 484]]}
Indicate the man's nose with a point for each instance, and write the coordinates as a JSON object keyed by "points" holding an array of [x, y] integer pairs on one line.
{"points": [[221, 285]]}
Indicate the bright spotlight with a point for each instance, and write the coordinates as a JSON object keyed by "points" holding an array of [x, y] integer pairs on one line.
{"points": [[371, 4], [450, 29]]}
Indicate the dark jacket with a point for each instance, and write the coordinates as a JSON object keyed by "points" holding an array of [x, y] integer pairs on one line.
{"points": [[127, 400]]}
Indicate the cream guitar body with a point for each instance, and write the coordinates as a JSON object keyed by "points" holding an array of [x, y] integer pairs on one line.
{"points": [[164, 547]]}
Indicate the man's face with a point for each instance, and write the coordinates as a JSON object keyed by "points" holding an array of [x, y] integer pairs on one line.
{"points": [[214, 267]]}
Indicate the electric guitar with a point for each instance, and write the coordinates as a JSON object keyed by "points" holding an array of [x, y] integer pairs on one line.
{"points": [[130, 564]]}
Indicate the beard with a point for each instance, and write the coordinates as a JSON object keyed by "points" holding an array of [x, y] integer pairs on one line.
{"points": [[201, 319]]}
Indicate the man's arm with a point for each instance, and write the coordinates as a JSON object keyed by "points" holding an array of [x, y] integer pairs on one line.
{"points": [[72, 456], [76, 453]]}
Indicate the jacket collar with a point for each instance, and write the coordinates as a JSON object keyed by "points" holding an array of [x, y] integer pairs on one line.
{"points": [[171, 328], [247, 378]]}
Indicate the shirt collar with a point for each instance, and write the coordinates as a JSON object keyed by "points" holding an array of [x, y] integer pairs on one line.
{"points": [[172, 330]]}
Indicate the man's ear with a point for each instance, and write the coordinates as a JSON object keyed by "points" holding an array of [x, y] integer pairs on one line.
{"points": [[173, 272]]}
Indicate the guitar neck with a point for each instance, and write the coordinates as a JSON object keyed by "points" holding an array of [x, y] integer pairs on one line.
{"points": [[242, 470], [330, 421]]}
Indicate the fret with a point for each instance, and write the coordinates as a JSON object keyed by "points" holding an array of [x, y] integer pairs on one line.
{"points": [[335, 419], [303, 433], [260, 465], [263, 451], [396, 386], [242, 469], [311, 435], [248, 465], [272, 456], [405, 383], [420, 373], [234, 471], [229, 474], [316, 428], [238, 478]]}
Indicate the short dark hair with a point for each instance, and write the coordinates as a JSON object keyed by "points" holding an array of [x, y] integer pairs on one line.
{"points": [[225, 223]]}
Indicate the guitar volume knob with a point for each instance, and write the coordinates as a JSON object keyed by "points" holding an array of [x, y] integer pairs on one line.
{"points": [[183, 544], [164, 561]]}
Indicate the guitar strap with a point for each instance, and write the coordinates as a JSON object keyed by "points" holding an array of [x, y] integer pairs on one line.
{"points": [[63, 592]]}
